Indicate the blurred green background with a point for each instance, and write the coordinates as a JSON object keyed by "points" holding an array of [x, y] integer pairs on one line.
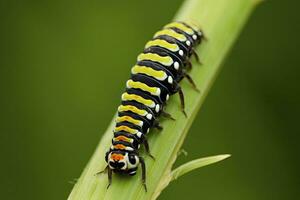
{"points": [[63, 65]]}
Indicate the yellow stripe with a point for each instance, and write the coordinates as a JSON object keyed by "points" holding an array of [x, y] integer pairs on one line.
{"points": [[139, 85], [164, 44], [130, 97], [132, 109], [171, 33], [126, 128], [129, 119], [160, 75], [165, 60], [181, 27]]}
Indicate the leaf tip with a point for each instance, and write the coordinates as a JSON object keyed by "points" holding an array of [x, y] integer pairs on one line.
{"points": [[223, 156]]}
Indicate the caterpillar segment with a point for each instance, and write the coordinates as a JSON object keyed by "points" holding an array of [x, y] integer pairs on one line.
{"points": [[154, 78], [160, 48], [193, 36], [167, 79]]}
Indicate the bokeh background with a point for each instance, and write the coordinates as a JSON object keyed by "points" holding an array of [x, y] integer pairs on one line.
{"points": [[63, 65]]}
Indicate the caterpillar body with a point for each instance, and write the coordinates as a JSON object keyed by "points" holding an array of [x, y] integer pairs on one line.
{"points": [[159, 68]]}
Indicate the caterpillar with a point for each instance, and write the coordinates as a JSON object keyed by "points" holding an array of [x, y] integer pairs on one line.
{"points": [[163, 63]]}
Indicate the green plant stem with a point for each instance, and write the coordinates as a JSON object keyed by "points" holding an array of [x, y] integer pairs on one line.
{"points": [[221, 21]]}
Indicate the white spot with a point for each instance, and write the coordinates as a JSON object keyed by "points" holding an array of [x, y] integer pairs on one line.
{"points": [[139, 134], [167, 97], [148, 130], [149, 116], [158, 91], [170, 79], [195, 37], [157, 108], [133, 172], [188, 43], [176, 65], [129, 148], [181, 52], [141, 123], [200, 33]]}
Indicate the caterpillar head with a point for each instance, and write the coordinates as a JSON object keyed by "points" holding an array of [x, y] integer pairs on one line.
{"points": [[122, 162]]}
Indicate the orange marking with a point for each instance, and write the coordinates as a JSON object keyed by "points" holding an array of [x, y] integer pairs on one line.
{"points": [[125, 128], [119, 146], [117, 157], [122, 138]]}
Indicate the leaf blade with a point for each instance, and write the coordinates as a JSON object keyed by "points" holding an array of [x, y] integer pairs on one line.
{"points": [[195, 164]]}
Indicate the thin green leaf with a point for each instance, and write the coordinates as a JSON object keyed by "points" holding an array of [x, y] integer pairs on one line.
{"points": [[195, 164], [185, 168]]}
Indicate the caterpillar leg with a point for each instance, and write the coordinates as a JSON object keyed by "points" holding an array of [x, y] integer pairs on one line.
{"points": [[103, 171], [182, 151], [143, 172], [74, 181], [196, 56], [203, 36], [109, 175], [189, 65], [146, 145], [181, 96], [167, 115], [190, 80], [157, 126]]}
